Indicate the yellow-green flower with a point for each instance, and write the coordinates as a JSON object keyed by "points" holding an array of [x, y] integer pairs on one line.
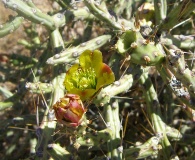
{"points": [[87, 77]]}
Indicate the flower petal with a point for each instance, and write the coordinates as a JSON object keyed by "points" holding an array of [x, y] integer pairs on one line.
{"points": [[71, 81], [91, 59], [105, 76], [84, 94]]}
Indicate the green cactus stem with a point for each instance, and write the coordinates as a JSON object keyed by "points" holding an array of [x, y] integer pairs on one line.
{"points": [[120, 86], [181, 41], [39, 87], [6, 93], [21, 62], [149, 148], [6, 104], [57, 41], [141, 51], [94, 139], [111, 117], [100, 11], [9, 102], [19, 121], [177, 65], [78, 14], [31, 4], [173, 134], [10, 26], [63, 4], [176, 86], [29, 45], [48, 123], [153, 109], [122, 7], [160, 8], [70, 55], [30, 13], [178, 14], [58, 152]]}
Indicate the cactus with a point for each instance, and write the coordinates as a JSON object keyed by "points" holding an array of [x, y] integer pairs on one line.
{"points": [[141, 51], [101, 80], [9, 27]]}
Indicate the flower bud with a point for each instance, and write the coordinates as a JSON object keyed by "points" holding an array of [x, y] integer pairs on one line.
{"points": [[69, 110]]}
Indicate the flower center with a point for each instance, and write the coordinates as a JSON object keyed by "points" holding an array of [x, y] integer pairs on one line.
{"points": [[85, 78]]}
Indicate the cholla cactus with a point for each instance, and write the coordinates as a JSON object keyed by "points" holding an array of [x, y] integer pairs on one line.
{"points": [[129, 107]]}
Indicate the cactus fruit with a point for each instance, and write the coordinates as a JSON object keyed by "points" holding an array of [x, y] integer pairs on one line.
{"points": [[69, 110]]}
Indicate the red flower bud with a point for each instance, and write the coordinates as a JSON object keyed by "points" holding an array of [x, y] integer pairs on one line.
{"points": [[69, 110]]}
